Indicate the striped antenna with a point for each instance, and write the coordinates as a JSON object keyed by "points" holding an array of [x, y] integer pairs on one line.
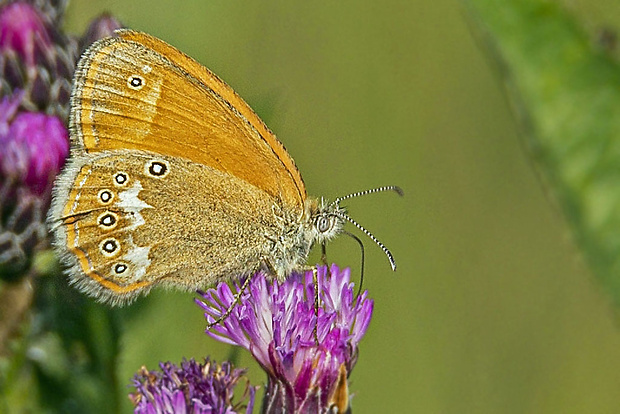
{"points": [[369, 234], [394, 188]]}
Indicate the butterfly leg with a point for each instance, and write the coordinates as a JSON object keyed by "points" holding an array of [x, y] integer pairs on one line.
{"points": [[324, 259], [236, 300], [317, 299], [323, 254], [315, 280], [270, 268]]}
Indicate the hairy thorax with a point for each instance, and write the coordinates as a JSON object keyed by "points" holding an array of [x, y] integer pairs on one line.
{"points": [[295, 233]]}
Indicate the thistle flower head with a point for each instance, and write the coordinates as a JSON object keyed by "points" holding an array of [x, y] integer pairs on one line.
{"points": [[39, 58], [191, 388], [36, 57], [34, 145], [276, 323], [24, 31]]}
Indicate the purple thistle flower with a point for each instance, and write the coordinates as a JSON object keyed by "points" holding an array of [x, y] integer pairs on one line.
{"points": [[39, 58], [276, 323], [24, 31], [35, 57], [34, 146], [191, 388]]}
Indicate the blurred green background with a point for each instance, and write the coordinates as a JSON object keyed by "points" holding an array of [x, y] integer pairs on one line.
{"points": [[492, 309]]}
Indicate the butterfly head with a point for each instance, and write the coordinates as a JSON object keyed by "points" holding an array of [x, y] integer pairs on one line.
{"points": [[327, 220]]}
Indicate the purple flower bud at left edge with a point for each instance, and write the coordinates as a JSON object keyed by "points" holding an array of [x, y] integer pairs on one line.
{"points": [[34, 146], [23, 30]]}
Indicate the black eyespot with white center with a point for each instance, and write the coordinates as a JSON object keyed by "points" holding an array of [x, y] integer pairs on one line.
{"points": [[105, 196], [109, 247], [107, 220], [120, 179], [157, 168], [119, 268], [135, 82]]}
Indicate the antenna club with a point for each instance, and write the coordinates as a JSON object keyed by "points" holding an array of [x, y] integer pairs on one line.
{"points": [[393, 263]]}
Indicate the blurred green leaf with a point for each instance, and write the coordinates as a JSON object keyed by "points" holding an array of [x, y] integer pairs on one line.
{"points": [[565, 85], [62, 357], [79, 343]]}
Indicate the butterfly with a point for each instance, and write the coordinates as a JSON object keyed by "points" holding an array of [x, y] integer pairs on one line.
{"points": [[173, 180]]}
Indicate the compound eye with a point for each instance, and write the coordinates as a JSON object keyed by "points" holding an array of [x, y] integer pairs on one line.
{"points": [[324, 224]]}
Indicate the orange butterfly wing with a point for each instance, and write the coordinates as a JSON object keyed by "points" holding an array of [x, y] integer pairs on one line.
{"points": [[135, 91]]}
